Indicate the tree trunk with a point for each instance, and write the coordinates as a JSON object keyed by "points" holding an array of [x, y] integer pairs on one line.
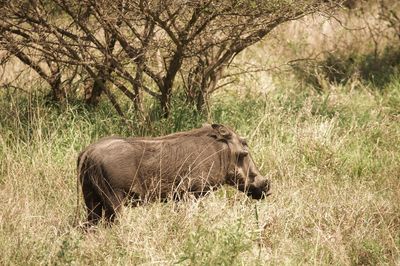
{"points": [[165, 104], [94, 90], [200, 87], [137, 87], [58, 94], [168, 81], [202, 101]]}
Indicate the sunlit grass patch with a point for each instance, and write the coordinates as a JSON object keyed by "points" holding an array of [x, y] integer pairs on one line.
{"points": [[333, 159]]}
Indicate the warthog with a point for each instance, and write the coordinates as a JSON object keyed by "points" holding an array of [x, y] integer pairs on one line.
{"points": [[115, 170]]}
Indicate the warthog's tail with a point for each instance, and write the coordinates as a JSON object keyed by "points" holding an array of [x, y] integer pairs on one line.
{"points": [[92, 178], [79, 174]]}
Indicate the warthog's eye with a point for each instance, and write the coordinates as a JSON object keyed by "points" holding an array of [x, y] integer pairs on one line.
{"points": [[244, 142], [243, 154]]}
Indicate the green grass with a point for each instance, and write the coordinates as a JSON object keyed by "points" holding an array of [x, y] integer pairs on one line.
{"points": [[329, 141], [333, 159]]}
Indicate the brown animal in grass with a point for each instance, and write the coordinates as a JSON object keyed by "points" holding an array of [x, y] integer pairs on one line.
{"points": [[115, 170]]}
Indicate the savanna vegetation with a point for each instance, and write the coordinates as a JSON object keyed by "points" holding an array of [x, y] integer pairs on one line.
{"points": [[317, 97]]}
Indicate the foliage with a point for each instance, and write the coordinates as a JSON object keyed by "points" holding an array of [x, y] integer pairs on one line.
{"points": [[136, 47]]}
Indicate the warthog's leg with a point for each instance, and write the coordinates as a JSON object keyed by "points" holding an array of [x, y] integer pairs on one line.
{"points": [[94, 205], [115, 199]]}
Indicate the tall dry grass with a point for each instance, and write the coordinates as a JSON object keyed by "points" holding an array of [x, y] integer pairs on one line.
{"points": [[332, 155], [333, 159]]}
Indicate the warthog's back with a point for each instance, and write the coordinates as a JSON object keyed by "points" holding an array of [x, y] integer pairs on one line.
{"points": [[145, 165]]}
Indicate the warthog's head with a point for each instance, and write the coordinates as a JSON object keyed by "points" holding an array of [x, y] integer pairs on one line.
{"points": [[242, 172]]}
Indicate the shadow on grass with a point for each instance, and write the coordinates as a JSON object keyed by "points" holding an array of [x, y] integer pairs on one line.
{"points": [[340, 68]]}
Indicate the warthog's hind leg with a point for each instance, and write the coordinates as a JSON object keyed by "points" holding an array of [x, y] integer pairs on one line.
{"points": [[94, 206], [115, 199]]}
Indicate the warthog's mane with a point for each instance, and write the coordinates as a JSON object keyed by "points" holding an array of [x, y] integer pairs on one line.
{"points": [[198, 132]]}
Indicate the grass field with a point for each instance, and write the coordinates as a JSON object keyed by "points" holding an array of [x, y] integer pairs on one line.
{"points": [[333, 159], [331, 149]]}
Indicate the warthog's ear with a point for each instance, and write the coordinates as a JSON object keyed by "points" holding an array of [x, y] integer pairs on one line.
{"points": [[220, 132]]}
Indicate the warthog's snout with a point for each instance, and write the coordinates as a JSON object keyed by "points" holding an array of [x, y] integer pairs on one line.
{"points": [[267, 187], [260, 189]]}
